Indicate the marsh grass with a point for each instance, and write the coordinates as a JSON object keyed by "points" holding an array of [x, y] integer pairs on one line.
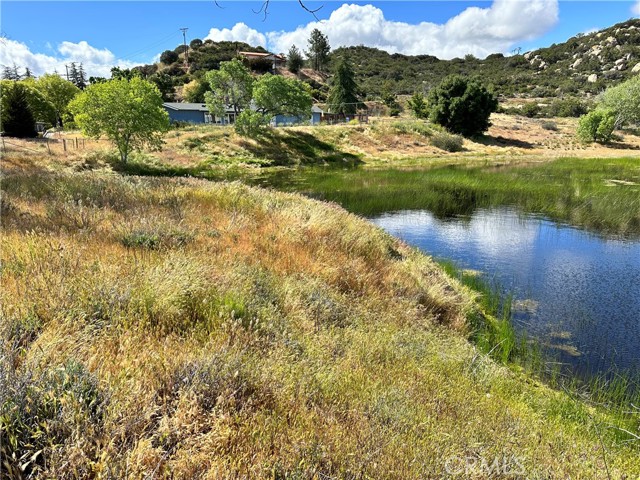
{"points": [[286, 337], [601, 195]]}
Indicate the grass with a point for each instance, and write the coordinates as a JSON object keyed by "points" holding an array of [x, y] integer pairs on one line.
{"points": [[164, 327], [601, 195]]}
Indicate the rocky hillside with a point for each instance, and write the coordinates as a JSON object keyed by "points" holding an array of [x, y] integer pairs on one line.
{"points": [[583, 65]]}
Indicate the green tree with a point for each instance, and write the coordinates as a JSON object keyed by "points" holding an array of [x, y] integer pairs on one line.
{"points": [[128, 112], [41, 109], [231, 86], [17, 117], [168, 57], [276, 95], [59, 92], [195, 44], [597, 126], [388, 97], [164, 83], [461, 105], [126, 73], [319, 49], [194, 90], [624, 100], [343, 94], [418, 106], [10, 73], [294, 59]]}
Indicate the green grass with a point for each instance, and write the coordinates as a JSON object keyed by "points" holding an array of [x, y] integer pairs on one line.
{"points": [[286, 338], [601, 195]]}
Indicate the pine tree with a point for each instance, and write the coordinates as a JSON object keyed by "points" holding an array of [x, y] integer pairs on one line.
{"points": [[27, 73], [11, 73], [17, 117], [318, 50], [294, 59], [343, 96], [82, 78]]}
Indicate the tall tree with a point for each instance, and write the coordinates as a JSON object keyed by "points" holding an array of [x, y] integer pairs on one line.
{"points": [[17, 117], [128, 112], [27, 73], [343, 95], [318, 50], [58, 91], [10, 73], [81, 82], [231, 86], [624, 100], [294, 59]]}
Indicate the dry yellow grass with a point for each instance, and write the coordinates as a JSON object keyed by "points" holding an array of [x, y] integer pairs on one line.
{"points": [[167, 328]]}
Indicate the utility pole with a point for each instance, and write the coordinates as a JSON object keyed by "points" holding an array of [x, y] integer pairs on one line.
{"points": [[186, 50], [67, 68]]}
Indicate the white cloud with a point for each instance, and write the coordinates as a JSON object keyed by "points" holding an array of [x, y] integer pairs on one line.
{"points": [[239, 33], [479, 31], [635, 9], [95, 62]]}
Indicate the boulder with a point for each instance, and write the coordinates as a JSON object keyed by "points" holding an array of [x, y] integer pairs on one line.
{"points": [[636, 68], [593, 78], [576, 64]]}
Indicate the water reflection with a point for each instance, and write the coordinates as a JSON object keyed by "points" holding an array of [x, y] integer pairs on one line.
{"points": [[577, 293]]}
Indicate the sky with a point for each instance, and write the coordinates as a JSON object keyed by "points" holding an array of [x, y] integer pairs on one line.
{"points": [[46, 35]]}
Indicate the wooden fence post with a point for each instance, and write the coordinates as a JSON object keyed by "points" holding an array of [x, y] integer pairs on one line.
{"points": [[64, 144]]}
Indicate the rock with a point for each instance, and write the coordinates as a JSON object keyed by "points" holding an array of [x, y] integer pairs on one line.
{"points": [[620, 61], [593, 78], [527, 55], [636, 68], [576, 64], [595, 51], [612, 40]]}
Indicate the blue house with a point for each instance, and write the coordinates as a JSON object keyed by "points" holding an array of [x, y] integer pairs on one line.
{"points": [[199, 113], [284, 120]]}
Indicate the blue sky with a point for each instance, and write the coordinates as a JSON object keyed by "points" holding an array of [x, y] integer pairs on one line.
{"points": [[43, 35]]}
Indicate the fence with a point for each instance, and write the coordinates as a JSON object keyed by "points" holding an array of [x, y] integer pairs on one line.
{"points": [[48, 145]]}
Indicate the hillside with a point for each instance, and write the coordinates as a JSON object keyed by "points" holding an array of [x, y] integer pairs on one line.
{"points": [[583, 65]]}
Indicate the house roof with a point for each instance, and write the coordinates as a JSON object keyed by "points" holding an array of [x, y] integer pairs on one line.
{"points": [[198, 107], [262, 55], [316, 109]]}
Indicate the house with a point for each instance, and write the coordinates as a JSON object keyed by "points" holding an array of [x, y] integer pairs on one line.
{"points": [[284, 120], [276, 60], [196, 113], [199, 113]]}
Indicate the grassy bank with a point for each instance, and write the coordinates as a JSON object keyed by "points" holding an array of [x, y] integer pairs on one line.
{"points": [[602, 195], [175, 328]]}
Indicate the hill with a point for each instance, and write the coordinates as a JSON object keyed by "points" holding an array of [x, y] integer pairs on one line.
{"points": [[583, 65]]}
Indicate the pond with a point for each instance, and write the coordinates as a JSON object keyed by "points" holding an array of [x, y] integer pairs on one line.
{"points": [[577, 293], [576, 289]]}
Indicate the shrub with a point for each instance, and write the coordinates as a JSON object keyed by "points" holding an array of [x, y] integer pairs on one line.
{"points": [[250, 123], [530, 109], [567, 107], [596, 126], [549, 126], [447, 141], [418, 106], [462, 106]]}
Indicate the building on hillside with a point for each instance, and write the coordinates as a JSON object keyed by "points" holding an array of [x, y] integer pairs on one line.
{"points": [[197, 113], [276, 60]]}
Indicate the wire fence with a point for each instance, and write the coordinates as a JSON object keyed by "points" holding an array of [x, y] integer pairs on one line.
{"points": [[48, 145]]}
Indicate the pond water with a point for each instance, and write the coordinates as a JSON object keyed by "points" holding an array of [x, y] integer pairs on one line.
{"points": [[577, 293]]}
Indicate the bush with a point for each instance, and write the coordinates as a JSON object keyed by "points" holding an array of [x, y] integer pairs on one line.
{"points": [[567, 107], [250, 123], [462, 106], [447, 141], [597, 126], [530, 109], [549, 126], [418, 106]]}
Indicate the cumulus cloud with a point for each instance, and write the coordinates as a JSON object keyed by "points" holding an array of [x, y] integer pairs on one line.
{"points": [[635, 9], [95, 62], [479, 31], [240, 32]]}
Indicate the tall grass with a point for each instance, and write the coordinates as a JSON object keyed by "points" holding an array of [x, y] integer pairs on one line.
{"points": [[191, 329]]}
